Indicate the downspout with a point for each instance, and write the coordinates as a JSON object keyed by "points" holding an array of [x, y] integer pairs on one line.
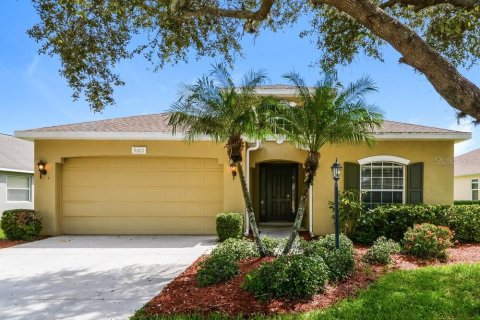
{"points": [[310, 206], [247, 171]]}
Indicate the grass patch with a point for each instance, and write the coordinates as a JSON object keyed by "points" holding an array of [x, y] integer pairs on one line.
{"points": [[447, 292], [2, 235]]}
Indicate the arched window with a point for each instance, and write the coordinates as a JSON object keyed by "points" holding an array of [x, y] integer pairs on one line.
{"points": [[382, 180]]}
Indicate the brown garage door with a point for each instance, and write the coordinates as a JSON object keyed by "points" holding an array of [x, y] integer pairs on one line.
{"points": [[141, 195]]}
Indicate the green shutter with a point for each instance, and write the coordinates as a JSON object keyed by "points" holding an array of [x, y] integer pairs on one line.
{"points": [[415, 183], [352, 176]]}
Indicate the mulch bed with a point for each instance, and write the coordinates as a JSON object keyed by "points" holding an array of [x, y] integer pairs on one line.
{"points": [[182, 296], [11, 243]]}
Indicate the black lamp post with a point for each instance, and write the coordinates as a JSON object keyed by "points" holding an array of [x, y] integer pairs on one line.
{"points": [[336, 170]]}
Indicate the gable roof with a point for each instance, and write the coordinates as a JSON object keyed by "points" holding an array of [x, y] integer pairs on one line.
{"points": [[155, 127], [16, 155], [467, 163]]}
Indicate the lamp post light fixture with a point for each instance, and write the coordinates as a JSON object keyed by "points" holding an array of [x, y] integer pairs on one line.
{"points": [[233, 169], [336, 171], [41, 168]]}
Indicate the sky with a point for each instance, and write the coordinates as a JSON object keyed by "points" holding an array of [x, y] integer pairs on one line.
{"points": [[33, 94]]}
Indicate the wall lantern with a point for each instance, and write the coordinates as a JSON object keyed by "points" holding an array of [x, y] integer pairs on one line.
{"points": [[41, 168], [233, 169], [336, 170]]}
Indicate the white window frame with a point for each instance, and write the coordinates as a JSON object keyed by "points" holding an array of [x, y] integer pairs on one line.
{"points": [[397, 160], [471, 189], [29, 189]]}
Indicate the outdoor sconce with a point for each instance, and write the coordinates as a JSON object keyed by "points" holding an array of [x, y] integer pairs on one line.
{"points": [[41, 168], [336, 170], [233, 169]]}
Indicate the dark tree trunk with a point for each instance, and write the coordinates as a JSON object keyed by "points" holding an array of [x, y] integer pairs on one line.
{"points": [[311, 166], [250, 212], [457, 90]]}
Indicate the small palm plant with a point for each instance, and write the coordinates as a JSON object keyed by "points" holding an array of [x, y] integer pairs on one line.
{"points": [[328, 113], [215, 107]]}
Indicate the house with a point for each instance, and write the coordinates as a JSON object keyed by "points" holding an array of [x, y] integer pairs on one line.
{"points": [[16, 173], [132, 176], [467, 176]]}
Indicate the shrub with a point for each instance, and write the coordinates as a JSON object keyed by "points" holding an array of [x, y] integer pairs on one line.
{"points": [[392, 221], [222, 264], [273, 246], [236, 249], [465, 221], [466, 202], [381, 251], [229, 225], [350, 209], [340, 262], [215, 269], [427, 241], [21, 224], [295, 276]]}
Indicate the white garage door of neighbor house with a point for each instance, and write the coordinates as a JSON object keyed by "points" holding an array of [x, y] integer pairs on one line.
{"points": [[141, 195]]}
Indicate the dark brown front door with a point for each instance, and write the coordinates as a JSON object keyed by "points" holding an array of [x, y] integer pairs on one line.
{"points": [[278, 191]]}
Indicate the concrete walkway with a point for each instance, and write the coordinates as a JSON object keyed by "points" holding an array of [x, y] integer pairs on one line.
{"points": [[91, 277]]}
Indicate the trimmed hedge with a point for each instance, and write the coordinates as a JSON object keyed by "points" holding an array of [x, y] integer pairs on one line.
{"points": [[229, 225], [393, 221], [295, 276], [21, 224], [466, 202]]}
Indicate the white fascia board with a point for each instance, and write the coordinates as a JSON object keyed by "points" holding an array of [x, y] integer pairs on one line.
{"points": [[16, 170], [73, 135], [97, 135], [456, 136]]}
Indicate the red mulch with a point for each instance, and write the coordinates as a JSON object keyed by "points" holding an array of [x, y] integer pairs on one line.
{"points": [[11, 243], [182, 296]]}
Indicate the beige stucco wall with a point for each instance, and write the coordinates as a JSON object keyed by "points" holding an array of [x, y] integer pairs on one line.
{"points": [[463, 187], [438, 177]]}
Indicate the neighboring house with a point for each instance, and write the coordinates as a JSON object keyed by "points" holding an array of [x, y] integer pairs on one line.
{"points": [[16, 173], [467, 176], [132, 176]]}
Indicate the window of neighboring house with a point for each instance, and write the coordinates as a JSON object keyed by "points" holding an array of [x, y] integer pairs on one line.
{"points": [[382, 183], [474, 189], [19, 189]]}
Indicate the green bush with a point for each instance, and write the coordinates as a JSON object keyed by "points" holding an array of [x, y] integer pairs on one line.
{"points": [[215, 269], [381, 251], [340, 262], [427, 241], [222, 264], [295, 276], [392, 221], [229, 225], [350, 209], [466, 202], [464, 220], [21, 224], [273, 246], [236, 249]]}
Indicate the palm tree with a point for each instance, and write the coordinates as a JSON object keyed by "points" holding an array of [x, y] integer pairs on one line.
{"points": [[327, 113], [215, 107]]}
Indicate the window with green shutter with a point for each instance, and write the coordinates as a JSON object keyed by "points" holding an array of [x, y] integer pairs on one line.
{"points": [[415, 183]]}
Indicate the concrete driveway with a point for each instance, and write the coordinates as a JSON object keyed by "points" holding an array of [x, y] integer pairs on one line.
{"points": [[91, 277]]}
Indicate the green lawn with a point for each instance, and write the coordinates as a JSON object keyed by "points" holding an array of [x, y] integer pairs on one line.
{"points": [[447, 292]]}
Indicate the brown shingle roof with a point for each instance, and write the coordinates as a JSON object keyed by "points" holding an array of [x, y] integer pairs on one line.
{"points": [[467, 163], [16, 154], [159, 123]]}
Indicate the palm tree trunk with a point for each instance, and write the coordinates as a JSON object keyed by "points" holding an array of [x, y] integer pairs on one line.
{"points": [[250, 212], [311, 165]]}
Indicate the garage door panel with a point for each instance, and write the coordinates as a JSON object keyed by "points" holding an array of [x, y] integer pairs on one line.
{"points": [[101, 190]]}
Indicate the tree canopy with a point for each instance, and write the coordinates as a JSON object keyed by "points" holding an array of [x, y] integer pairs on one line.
{"points": [[91, 37]]}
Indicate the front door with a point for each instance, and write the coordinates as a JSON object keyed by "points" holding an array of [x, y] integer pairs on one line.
{"points": [[278, 192]]}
